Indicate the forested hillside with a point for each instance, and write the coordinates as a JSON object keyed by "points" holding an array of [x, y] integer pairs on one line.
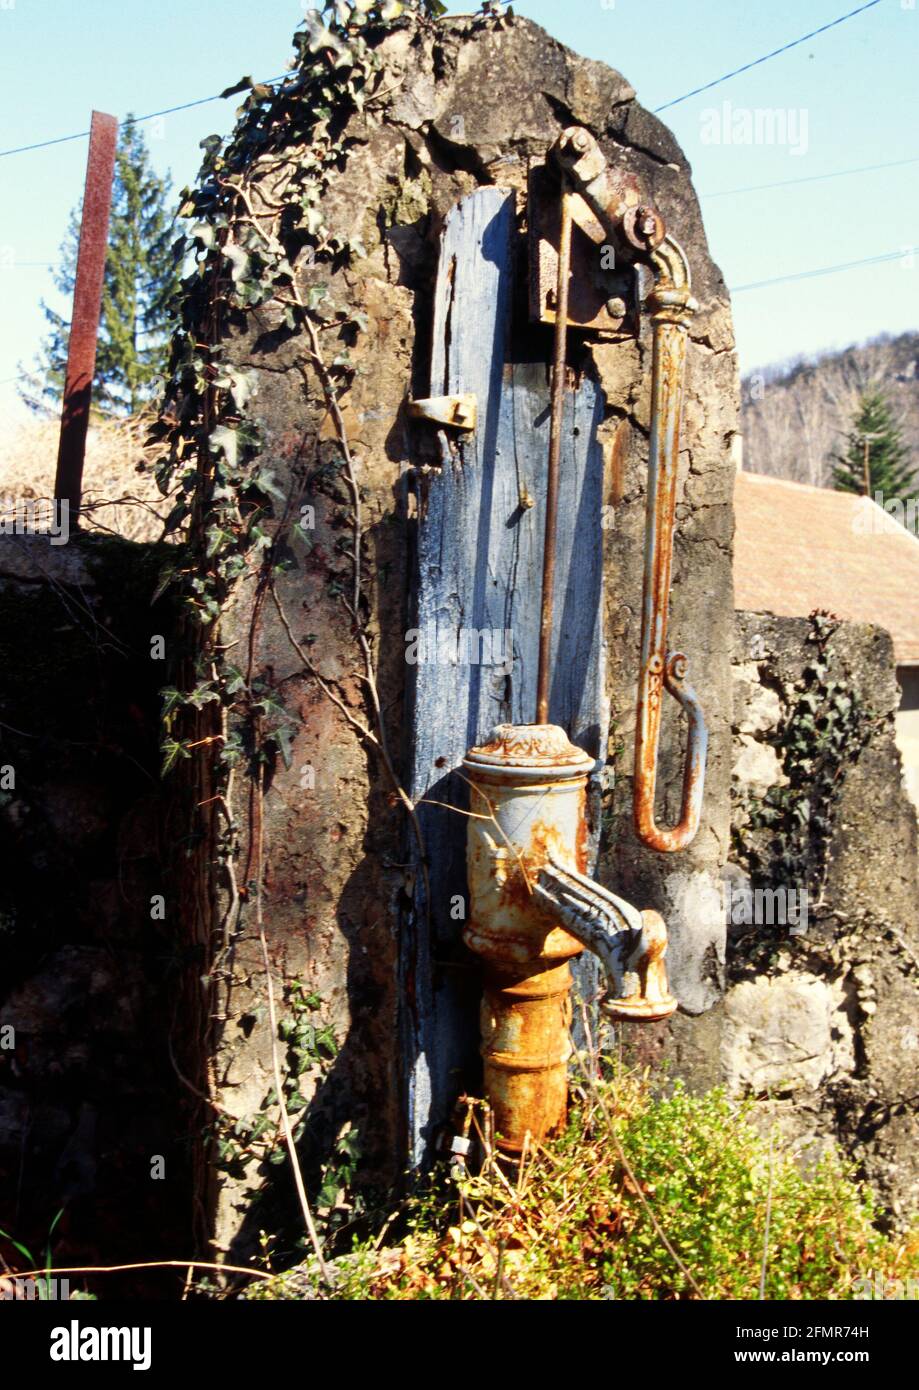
{"points": [[795, 414]]}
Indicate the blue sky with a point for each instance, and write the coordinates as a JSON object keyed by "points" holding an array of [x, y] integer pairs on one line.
{"points": [[845, 99]]}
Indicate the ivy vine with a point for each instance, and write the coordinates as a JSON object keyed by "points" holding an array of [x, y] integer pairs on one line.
{"points": [[311, 1047], [256, 223], [788, 833]]}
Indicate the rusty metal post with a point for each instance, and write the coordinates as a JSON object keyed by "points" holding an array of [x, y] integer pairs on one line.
{"points": [[533, 908], [529, 802], [87, 307], [544, 672], [672, 306]]}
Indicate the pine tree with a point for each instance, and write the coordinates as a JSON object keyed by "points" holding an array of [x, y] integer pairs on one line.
{"points": [[141, 277], [875, 428]]}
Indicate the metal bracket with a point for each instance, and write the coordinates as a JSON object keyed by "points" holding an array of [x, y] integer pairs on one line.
{"points": [[603, 297], [614, 231], [459, 412]]}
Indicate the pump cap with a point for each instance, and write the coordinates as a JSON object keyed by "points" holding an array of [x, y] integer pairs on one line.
{"points": [[529, 745]]}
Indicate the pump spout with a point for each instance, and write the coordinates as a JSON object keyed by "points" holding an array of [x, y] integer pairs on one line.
{"points": [[624, 940]]}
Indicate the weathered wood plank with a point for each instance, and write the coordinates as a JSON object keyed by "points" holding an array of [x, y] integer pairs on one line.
{"points": [[478, 571]]}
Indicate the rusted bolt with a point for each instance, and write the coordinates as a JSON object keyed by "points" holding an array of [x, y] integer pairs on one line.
{"points": [[616, 307], [527, 500], [580, 140], [647, 222], [643, 227]]}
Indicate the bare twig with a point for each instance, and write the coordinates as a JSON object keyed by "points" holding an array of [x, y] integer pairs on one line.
{"points": [[762, 1273], [144, 1264]]}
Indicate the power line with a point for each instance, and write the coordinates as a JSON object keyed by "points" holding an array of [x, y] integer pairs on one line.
{"points": [[765, 58], [220, 96], [736, 289], [750, 188], [822, 270], [135, 120], [811, 178], [43, 144], [202, 101]]}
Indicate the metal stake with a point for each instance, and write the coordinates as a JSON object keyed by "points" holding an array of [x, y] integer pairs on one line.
{"points": [[87, 308]]}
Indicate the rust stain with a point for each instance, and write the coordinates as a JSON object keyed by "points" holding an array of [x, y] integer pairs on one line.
{"points": [[525, 1050], [672, 307], [617, 453], [582, 844]]}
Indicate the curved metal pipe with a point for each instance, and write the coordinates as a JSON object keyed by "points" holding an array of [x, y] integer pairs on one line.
{"points": [[672, 305]]}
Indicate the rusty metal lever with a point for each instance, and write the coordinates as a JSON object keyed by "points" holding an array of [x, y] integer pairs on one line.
{"points": [[671, 305], [605, 204], [623, 939]]}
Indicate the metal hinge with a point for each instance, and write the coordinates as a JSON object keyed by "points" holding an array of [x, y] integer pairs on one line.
{"points": [[460, 412]]}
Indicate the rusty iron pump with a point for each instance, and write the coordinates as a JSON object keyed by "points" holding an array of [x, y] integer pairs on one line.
{"points": [[533, 905]]}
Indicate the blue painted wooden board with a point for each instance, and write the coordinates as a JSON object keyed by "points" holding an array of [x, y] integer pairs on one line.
{"points": [[477, 568]]}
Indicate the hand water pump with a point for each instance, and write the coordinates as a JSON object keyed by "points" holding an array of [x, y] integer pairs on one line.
{"points": [[533, 905]]}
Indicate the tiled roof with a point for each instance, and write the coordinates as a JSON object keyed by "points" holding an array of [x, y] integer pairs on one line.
{"points": [[797, 548]]}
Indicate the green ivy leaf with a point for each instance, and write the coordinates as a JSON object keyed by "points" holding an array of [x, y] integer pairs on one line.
{"points": [[203, 232], [223, 440], [239, 259]]}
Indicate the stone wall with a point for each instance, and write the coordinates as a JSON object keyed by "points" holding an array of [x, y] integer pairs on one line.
{"points": [[88, 963], [464, 104], [469, 103], [819, 1019]]}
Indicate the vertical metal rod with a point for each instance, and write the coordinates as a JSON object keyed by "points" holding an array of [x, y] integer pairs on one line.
{"points": [[555, 448], [667, 367], [671, 309], [87, 307]]}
